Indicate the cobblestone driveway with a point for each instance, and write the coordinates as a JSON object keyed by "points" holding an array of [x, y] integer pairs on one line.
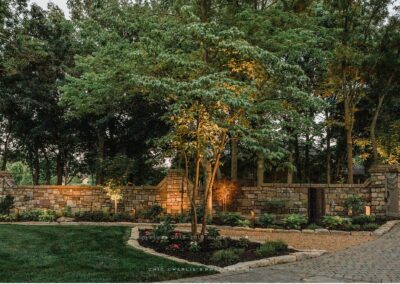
{"points": [[374, 261]]}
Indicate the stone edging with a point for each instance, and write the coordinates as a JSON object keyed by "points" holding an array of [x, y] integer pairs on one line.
{"points": [[296, 256], [385, 227]]}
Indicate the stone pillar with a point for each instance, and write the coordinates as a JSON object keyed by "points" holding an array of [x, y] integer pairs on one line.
{"points": [[6, 182], [385, 187], [174, 192]]}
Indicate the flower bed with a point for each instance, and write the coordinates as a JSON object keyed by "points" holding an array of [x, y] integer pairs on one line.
{"points": [[213, 250]]}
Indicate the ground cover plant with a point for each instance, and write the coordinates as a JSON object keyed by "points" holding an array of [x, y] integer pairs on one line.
{"points": [[80, 254], [213, 249]]}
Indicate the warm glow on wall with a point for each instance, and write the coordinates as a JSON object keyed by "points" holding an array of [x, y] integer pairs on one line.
{"points": [[225, 191], [367, 210]]}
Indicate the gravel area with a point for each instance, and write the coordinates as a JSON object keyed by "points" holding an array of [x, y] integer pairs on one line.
{"points": [[328, 242]]}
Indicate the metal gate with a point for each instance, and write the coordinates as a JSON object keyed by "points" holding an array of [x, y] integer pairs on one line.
{"points": [[392, 195]]}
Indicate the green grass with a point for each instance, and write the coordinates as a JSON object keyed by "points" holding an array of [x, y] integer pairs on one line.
{"points": [[80, 254]]}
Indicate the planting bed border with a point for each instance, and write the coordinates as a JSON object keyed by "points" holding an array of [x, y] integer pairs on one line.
{"points": [[292, 257]]}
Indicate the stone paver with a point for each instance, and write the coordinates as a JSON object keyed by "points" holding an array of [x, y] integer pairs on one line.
{"points": [[374, 261]]}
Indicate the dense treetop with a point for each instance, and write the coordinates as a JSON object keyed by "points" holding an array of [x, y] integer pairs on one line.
{"points": [[287, 90]]}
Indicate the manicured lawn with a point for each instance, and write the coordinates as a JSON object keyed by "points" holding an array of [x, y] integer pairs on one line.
{"points": [[80, 254]]}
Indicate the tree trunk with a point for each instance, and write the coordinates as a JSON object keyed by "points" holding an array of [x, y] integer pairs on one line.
{"points": [[59, 167], [328, 151], [209, 196], [290, 169], [100, 157], [47, 168], [349, 138], [5, 154], [307, 159], [36, 167], [297, 156], [373, 128], [234, 159], [260, 169]]}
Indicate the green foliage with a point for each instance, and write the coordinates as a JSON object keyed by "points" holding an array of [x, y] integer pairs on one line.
{"points": [[153, 212], [67, 212], [228, 218], [355, 203], [266, 220], [194, 246], [244, 223], [226, 257], [8, 218], [271, 248], [244, 242], [334, 222], [6, 204], [212, 232], [363, 219], [295, 221], [274, 206], [313, 226], [370, 226], [164, 229]]}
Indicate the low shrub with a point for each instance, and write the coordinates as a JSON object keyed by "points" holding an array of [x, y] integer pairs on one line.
{"points": [[47, 216], [226, 257], [8, 218], [6, 204], [334, 222], [351, 227], [229, 218], [274, 206], [212, 232], [164, 229], [370, 227], [194, 247], [313, 226], [244, 223], [153, 212], [92, 216], [244, 242], [266, 220], [219, 243], [67, 212], [271, 248], [121, 217], [363, 219], [295, 221]]}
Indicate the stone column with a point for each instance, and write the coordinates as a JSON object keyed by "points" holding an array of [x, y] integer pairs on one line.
{"points": [[385, 187], [6, 182]]}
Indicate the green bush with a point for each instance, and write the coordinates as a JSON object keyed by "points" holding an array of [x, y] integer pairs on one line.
{"points": [[226, 257], [164, 229], [313, 226], [351, 227], [92, 216], [47, 216], [6, 204], [266, 220], [363, 219], [8, 218], [121, 217], [67, 212], [244, 223], [229, 218], [295, 221], [212, 232], [244, 242], [271, 248], [29, 215], [370, 227], [355, 203], [274, 206], [153, 212], [334, 222]]}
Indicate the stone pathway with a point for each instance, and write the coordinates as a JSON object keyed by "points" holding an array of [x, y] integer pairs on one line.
{"points": [[374, 261]]}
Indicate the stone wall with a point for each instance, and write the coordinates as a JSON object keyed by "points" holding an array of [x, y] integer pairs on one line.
{"points": [[330, 198], [380, 192], [170, 193]]}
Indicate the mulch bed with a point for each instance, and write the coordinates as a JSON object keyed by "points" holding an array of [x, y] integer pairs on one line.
{"points": [[206, 248]]}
